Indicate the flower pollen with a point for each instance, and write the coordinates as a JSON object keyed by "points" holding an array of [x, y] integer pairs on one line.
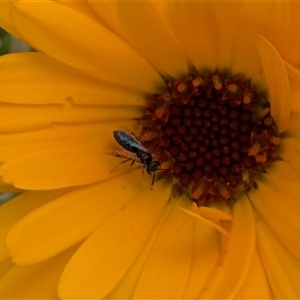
{"points": [[212, 134]]}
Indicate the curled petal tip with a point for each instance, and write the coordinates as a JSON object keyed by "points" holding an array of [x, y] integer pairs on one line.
{"points": [[278, 83]]}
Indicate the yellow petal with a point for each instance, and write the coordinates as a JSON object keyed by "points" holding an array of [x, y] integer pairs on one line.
{"points": [[59, 167], [289, 151], [195, 26], [5, 266], [17, 208], [35, 282], [126, 286], [277, 201], [14, 145], [278, 84], [108, 254], [290, 46], [171, 254], [69, 219], [6, 188], [214, 213], [107, 13], [64, 166], [284, 170], [226, 15], [6, 21], [204, 220], [158, 47], [295, 94], [206, 250], [294, 79], [256, 285], [107, 57], [81, 7], [236, 255], [19, 118], [281, 267], [32, 74], [293, 129], [269, 19]]}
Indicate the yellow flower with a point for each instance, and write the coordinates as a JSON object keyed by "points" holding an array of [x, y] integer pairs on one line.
{"points": [[78, 230]]}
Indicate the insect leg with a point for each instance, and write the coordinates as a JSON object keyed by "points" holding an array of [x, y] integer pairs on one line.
{"points": [[132, 163], [122, 162], [153, 179], [143, 168]]}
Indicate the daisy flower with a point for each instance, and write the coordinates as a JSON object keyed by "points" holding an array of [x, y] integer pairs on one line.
{"points": [[203, 98]]}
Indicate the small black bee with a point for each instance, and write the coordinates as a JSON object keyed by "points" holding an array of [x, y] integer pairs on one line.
{"points": [[128, 141]]}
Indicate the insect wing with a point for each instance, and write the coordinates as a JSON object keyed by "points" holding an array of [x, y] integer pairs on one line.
{"points": [[133, 138], [128, 140], [129, 132], [118, 152], [115, 151]]}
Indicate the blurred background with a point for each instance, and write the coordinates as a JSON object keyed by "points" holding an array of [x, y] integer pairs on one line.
{"points": [[9, 44]]}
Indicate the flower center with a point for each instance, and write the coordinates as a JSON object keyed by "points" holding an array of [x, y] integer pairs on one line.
{"points": [[212, 134]]}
